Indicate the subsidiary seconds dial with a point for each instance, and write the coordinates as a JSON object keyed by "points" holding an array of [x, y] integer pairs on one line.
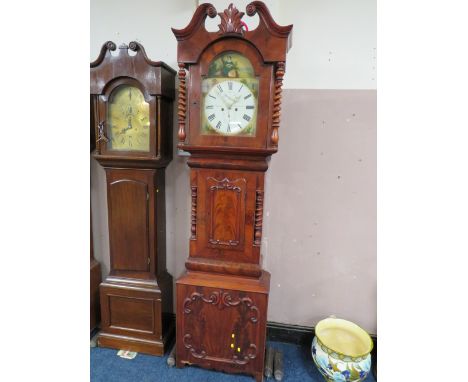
{"points": [[230, 107]]}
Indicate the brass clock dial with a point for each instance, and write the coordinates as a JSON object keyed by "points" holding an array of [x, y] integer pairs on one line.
{"points": [[128, 120]]}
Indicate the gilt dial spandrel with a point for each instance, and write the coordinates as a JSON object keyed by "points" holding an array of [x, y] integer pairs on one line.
{"points": [[128, 120], [229, 97]]}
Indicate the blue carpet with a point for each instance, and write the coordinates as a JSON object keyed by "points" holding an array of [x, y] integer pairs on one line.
{"points": [[106, 366]]}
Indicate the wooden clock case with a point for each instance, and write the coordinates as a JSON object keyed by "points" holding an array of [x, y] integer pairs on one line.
{"points": [[222, 299], [136, 297], [95, 267], [95, 280]]}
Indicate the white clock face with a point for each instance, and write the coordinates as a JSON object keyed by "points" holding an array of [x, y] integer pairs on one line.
{"points": [[229, 107]]}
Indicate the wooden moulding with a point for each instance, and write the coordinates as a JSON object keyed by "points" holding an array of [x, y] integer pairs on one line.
{"points": [[246, 284], [223, 267], [150, 73], [194, 37]]}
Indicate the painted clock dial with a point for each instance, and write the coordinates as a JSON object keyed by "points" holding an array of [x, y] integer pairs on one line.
{"points": [[128, 120], [230, 106], [229, 96]]}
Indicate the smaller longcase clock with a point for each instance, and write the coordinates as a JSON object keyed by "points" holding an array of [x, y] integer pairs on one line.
{"points": [[132, 108]]}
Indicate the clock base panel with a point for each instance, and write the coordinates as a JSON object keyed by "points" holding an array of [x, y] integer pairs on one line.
{"points": [[95, 280], [221, 322], [132, 317], [139, 345]]}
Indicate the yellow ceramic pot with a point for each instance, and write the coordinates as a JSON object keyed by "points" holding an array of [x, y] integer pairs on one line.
{"points": [[341, 350]]}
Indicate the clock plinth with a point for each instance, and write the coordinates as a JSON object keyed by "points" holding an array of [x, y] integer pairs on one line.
{"points": [[229, 107], [223, 321], [95, 280], [133, 315], [133, 113]]}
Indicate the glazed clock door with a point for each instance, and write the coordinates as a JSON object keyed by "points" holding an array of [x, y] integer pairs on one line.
{"points": [[128, 120], [129, 216], [229, 96], [233, 85]]}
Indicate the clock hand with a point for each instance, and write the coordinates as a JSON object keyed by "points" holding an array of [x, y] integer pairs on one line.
{"points": [[222, 98], [237, 98], [230, 98], [233, 101], [230, 104], [129, 126]]}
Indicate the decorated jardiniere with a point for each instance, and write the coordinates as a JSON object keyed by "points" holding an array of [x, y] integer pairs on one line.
{"points": [[341, 350]]}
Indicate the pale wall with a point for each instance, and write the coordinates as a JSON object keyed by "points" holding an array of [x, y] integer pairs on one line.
{"points": [[320, 210]]}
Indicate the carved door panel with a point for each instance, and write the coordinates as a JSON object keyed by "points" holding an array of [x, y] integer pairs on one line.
{"points": [[222, 326], [224, 214], [129, 212]]}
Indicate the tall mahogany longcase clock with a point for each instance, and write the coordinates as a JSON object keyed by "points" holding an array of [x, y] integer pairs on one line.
{"points": [[229, 108], [132, 106]]}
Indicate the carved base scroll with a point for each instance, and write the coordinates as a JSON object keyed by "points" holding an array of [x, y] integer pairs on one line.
{"points": [[221, 300]]}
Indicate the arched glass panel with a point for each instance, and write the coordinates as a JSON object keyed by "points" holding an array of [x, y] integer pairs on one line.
{"points": [[229, 96], [128, 120]]}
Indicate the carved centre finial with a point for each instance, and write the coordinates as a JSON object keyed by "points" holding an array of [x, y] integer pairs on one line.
{"points": [[231, 20]]}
